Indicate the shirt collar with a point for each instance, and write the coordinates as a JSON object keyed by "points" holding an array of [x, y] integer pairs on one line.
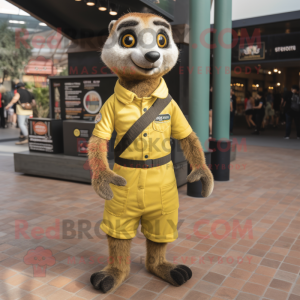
{"points": [[125, 96]]}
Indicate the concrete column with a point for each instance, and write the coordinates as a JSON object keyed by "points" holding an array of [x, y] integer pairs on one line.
{"points": [[222, 62], [220, 144], [199, 85], [199, 60]]}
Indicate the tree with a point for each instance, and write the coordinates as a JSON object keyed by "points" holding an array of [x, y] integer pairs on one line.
{"points": [[41, 97], [12, 59], [64, 72]]}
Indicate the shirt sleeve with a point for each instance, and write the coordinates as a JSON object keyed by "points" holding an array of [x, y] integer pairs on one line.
{"points": [[105, 127], [180, 128]]}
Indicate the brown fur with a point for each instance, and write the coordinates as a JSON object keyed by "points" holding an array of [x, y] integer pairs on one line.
{"points": [[194, 154], [142, 88], [118, 267], [157, 264], [102, 175]]}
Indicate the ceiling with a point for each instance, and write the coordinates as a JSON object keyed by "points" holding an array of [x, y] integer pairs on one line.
{"points": [[75, 19]]}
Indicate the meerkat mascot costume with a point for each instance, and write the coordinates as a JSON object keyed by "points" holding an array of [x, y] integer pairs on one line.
{"points": [[141, 187]]}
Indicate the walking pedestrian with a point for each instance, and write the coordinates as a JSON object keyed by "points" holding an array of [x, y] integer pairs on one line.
{"points": [[277, 103], [2, 118], [292, 111], [249, 110], [232, 109], [24, 101], [259, 110]]}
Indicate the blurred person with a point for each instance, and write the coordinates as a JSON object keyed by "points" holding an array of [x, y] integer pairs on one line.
{"points": [[232, 109], [9, 114], [22, 96], [246, 100], [282, 106], [259, 111], [249, 110], [14, 107], [10, 117], [292, 111], [2, 104], [269, 111], [276, 107], [210, 110]]}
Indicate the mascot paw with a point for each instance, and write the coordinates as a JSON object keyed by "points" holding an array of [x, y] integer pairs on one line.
{"points": [[102, 281], [102, 187], [181, 274], [118, 180], [108, 279], [206, 178], [174, 274]]}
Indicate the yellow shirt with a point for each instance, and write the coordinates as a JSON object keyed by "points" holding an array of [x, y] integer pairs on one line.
{"points": [[124, 108]]}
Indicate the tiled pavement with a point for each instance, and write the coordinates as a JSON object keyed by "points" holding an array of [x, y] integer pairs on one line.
{"points": [[264, 194]]}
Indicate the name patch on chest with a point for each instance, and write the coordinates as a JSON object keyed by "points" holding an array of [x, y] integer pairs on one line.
{"points": [[162, 118]]}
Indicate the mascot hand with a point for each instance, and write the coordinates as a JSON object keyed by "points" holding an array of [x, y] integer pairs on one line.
{"points": [[207, 179], [101, 184]]}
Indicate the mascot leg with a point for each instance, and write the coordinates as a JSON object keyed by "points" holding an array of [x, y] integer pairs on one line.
{"points": [[157, 264], [118, 266]]}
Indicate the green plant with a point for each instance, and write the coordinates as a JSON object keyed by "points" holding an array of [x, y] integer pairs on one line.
{"points": [[64, 72], [41, 96], [13, 59]]}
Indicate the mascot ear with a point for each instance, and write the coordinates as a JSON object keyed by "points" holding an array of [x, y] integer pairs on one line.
{"points": [[111, 25]]}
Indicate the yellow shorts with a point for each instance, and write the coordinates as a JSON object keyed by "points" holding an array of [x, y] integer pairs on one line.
{"points": [[151, 196]]}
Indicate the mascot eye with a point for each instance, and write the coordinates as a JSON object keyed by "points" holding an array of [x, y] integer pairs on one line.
{"points": [[128, 41], [162, 40]]}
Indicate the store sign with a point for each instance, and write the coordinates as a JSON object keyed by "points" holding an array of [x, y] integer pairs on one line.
{"points": [[273, 47], [253, 52], [286, 49]]}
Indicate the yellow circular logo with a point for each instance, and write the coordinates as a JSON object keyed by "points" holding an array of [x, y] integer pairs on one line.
{"points": [[77, 132]]}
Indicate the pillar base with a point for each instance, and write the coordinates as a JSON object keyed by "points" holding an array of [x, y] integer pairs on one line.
{"points": [[220, 159], [194, 189]]}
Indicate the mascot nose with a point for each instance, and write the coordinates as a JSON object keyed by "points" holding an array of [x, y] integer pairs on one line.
{"points": [[152, 56]]}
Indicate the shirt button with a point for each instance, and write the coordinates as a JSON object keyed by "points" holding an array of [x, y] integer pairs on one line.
{"points": [[145, 134], [145, 109], [146, 156]]}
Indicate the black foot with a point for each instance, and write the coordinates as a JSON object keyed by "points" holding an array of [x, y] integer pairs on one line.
{"points": [[102, 281], [181, 274]]}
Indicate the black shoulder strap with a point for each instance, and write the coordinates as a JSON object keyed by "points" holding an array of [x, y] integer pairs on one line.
{"points": [[141, 124]]}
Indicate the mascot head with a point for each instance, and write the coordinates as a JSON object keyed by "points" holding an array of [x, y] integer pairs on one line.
{"points": [[140, 46]]}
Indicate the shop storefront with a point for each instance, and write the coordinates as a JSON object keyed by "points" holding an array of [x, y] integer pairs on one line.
{"points": [[265, 58]]}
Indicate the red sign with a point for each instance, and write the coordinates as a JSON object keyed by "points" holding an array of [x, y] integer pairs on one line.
{"points": [[40, 66], [40, 128]]}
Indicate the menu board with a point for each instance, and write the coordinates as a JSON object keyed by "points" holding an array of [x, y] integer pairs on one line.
{"points": [[80, 97]]}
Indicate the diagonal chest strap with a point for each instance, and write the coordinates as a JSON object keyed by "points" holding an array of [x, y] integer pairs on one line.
{"points": [[141, 124]]}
